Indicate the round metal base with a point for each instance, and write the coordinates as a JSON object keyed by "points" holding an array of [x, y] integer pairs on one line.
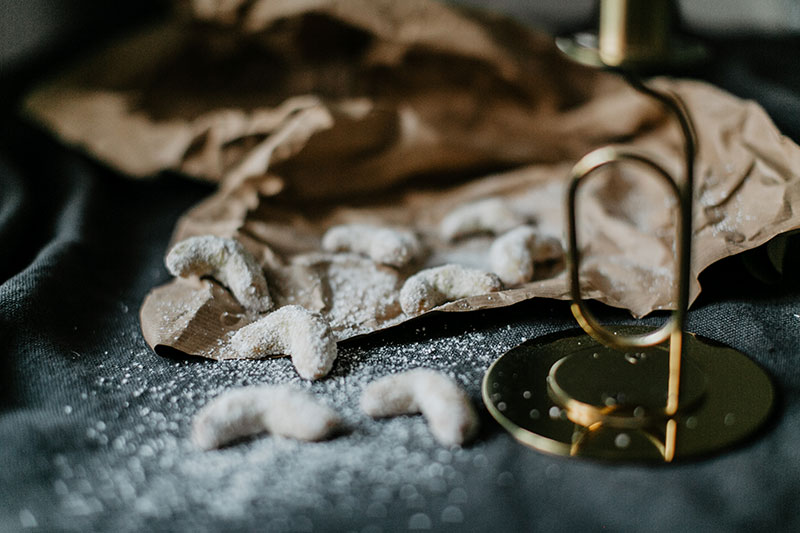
{"points": [[583, 48], [620, 389], [607, 405]]}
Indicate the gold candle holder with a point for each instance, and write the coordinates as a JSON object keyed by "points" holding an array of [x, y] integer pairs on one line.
{"points": [[630, 393]]}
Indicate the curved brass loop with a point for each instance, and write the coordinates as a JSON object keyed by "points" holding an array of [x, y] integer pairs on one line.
{"points": [[580, 172]]}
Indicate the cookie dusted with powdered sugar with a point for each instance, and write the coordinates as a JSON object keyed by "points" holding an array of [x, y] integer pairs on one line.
{"points": [[435, 286], [278, 410], [389, 246], [447, 409], [492, 215], [291, 330], [228, 262], [514, 254]]}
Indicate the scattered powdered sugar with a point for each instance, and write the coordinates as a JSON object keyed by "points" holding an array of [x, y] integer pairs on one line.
{"points": [[363, 295], [145, 470]]}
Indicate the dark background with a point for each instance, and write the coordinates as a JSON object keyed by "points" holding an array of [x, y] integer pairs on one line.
{"points": [[93, 424]]}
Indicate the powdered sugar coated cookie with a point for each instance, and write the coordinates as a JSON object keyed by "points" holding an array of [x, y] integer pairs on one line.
{"points": [[434, 286], [225, 260], [279, 410], [513, 255], [294, 331], [447, 409], [492, 215], [390, 246]]}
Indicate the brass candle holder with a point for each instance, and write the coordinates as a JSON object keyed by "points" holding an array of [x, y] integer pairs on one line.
{"points": [[630, 393]]}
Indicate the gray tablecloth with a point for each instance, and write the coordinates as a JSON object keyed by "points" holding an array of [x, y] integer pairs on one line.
{"points": [[94, 425]]}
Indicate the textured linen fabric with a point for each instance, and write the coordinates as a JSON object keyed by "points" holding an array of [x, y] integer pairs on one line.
{"points": [[94, 426]]}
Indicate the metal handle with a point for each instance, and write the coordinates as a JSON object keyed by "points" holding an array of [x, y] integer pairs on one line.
{"points": [[683, 192], [580, 173]]}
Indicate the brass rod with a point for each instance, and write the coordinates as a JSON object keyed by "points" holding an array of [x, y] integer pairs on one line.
{"points": [[684, 191], [670, 440], [675, 105], [634, 31], [583, 170], [674, 382]]}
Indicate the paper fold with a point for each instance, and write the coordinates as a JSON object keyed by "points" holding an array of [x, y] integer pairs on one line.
{"points": [[316, 113]]}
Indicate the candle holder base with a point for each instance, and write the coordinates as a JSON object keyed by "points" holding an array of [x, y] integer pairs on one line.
{"points": [[611, 406]]}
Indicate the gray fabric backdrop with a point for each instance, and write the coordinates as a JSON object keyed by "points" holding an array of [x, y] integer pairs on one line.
{"points": [[93, 425]]}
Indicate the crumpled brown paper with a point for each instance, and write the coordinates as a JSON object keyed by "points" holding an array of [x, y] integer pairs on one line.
{"points": [[322, 112]]}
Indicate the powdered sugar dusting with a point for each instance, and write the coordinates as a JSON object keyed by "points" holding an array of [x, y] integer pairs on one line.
{"points": [[144, 461], [363, 295]]}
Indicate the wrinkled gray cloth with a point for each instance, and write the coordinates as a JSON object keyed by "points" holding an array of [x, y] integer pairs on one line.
{"points": [[94, 426]]}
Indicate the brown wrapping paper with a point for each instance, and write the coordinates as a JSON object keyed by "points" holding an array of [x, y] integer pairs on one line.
{"points": [[317, 113]]}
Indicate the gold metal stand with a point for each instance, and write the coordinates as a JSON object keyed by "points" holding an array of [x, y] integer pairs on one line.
{"points": [[610, 404], [630, 393], [635, 35]]}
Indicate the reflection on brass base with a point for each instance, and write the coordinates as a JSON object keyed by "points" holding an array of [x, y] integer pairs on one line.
{"points": [[555, 395], [597, 384], [583, 48]]}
